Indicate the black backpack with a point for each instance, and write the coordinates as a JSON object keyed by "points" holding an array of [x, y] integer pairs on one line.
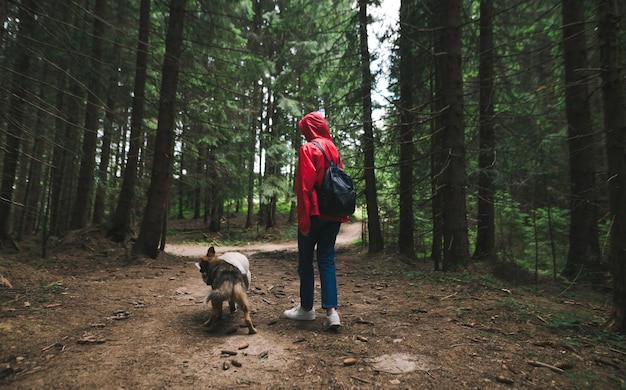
{"points": [[336, 196]]}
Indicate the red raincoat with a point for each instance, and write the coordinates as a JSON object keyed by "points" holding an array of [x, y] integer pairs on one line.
{"points": [[311, 168]]}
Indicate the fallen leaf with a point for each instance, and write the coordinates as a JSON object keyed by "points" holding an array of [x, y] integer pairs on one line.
{"points": [[90, 339], [503, 379], [349, 361], [564, 365]]}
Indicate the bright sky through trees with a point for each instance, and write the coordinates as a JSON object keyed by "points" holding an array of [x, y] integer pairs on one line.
{"points": [[381, 32]]}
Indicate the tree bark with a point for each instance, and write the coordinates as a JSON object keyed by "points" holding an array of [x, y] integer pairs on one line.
{"points": [[375, 243], [113, 96], [255, 46], [148, 241], [584, 247], [436, 157], [68, 98], [615, 129], [3, 17], [455, 236], [181, 181], [14, 134], [406, 244], [84, 188], [120, 223], [32, 197], [273, 161], [99, 203], [201, 181], [486, 231]]}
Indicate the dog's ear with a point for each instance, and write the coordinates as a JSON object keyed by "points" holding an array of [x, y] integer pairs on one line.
{"points": [[211, 252]]}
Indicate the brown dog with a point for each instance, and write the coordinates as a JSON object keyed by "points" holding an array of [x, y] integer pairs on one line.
{"points": [[229, 282]]}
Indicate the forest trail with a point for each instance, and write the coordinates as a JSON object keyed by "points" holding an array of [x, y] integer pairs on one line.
{"points": [[348, 234], [88, 319]]}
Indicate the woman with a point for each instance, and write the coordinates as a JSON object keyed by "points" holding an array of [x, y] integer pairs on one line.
{"points": [[315, 228]]}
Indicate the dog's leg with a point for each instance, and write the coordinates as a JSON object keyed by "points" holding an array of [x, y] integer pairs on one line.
{"points": [[245, 307], [219, 310], [216, 314], [246, 314]]}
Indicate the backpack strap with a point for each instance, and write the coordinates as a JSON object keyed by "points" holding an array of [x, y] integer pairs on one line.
{"points": [[326, 157]]}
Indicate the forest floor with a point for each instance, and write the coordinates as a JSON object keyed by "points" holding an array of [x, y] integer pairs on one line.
{"points": [[84, 318]]}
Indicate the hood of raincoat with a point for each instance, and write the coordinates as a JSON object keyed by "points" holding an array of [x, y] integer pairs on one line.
{"points": [[313, 125], [311, 168]]}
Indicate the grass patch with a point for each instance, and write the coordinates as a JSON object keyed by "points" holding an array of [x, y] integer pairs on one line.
{"points": [[54, 288]]}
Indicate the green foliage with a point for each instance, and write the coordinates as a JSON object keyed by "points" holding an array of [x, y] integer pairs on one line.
{"points": [[252, 69], [528, 238], [415, 274], [568, 320], [55, 287], [290, 106], [546, 229], [274, 187]]}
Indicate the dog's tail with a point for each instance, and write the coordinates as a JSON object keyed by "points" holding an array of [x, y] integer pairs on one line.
{"points": [[223, 293], [227, 290], [207, 297]]}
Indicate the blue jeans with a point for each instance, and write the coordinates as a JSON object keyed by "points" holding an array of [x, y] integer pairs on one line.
{"points": [[323, 234]]}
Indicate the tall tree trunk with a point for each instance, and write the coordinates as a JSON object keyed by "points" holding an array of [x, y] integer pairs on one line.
{"points": [[375, 243], [3, 17], [251, 158], [148, 241], [296, 142], [584, 247], [120, 227], [615, 129], [66, 147], [436, 157], [263, 145], [84, 188], [33, 189], [455, 236], [181, 182], [216, 207], [69, 96], [436, 253], [200, 182], [273, 163], [256, 96], [486, 230], [59, 157], [406, 244], [105, 157], [17, 114], [33, 186], [113, 96]]}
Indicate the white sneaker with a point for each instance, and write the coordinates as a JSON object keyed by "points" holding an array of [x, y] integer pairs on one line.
{"points": [[332, 321], [299, 314]]}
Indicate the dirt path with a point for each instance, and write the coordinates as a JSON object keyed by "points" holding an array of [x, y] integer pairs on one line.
{"points": [[98, 323], [349, 233]]}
